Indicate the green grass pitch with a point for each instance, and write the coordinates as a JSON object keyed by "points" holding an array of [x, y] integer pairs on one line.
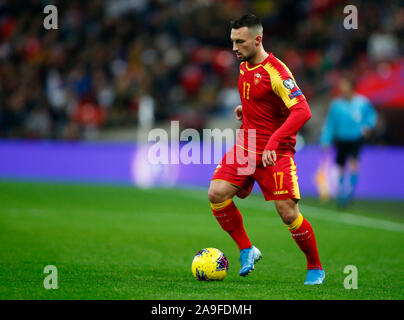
{"points": [[113, 242]]}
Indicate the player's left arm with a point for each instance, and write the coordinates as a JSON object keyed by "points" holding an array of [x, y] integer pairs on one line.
{"points": [[299, 115], [284, 85]]}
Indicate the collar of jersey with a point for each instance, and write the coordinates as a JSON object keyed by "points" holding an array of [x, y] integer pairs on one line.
{"points": [[257, 65]]}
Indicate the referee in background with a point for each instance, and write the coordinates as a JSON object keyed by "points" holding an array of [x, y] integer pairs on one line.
{"points": [[350, 119]]}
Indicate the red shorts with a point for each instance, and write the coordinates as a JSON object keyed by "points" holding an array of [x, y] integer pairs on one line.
{"points": [[242, 168]]}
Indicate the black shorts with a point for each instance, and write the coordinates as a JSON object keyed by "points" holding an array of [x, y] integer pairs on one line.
{"points": [[347, 149]]}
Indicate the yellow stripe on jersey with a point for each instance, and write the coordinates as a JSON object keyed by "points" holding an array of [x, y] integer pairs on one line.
{"points": [[253, 68], [278, 86]]}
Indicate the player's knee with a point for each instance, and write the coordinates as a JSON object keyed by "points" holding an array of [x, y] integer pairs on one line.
{"points": [[217, 195], [354, 164], [288, 218], [287, 213]]}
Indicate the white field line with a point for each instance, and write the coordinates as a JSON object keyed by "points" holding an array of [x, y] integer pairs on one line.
{"points": [[328, 215], [349, 218]]}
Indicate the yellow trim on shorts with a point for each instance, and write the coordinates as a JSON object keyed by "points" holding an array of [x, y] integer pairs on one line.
{"points": [[237, 145], [278, 154], [295, 185], [229, 182]]}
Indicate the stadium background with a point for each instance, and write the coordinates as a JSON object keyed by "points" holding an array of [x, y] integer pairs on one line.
{"points": [[76, 102]]}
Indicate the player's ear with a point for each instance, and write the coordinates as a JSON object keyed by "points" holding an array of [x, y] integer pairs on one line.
{"points": [[258, 40]]}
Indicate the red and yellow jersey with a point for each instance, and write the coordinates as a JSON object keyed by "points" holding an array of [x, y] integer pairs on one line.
{"points": [[267, 91]]}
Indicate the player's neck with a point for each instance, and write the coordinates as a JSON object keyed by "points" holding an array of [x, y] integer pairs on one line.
{"points": [[349, 96], [259, 57]]}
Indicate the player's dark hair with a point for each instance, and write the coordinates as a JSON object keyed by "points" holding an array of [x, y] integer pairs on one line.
{"points": [[248, 20]]}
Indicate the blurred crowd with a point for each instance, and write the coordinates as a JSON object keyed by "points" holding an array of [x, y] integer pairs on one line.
{"points": [[128, 63]]}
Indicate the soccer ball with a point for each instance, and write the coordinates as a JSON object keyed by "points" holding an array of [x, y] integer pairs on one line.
{"points": [[210, 264]]}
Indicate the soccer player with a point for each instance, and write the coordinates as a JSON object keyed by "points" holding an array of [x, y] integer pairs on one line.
{"points": [[350, 119], [273, 109]]}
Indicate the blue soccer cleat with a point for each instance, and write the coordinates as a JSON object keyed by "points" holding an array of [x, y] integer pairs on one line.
{"points": [[247, 259], [315, 276]]}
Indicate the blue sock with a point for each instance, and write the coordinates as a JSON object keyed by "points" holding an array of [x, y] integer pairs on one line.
{"points": [[341, 190], [353, 179]]}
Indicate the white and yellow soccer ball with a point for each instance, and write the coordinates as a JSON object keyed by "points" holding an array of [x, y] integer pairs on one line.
{"points": [[210, 264]]}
